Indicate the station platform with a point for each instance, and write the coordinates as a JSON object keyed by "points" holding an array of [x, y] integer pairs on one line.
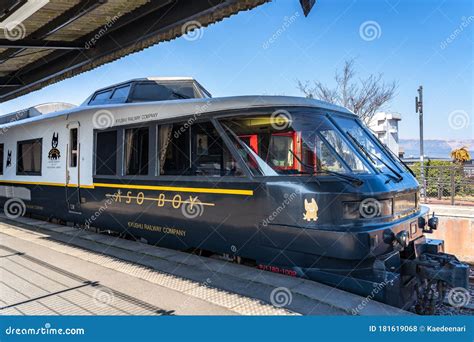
{"points": [[51, 269]]}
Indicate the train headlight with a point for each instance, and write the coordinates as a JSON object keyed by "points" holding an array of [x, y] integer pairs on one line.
{"points": [[421, 222], [367, 209], [433, 222]]}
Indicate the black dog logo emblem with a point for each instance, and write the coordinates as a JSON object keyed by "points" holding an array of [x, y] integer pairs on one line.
{"points": [[54, 153]]}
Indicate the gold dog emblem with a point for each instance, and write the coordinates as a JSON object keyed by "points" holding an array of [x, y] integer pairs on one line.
{"points": [[311, 210]]}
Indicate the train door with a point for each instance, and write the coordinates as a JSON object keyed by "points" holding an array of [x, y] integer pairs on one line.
{"points": [[73, 180]]}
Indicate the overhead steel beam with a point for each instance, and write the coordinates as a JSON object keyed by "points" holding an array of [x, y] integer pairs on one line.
{"points": [[39, 44], [75, 12], [10, 82], [84, 8], [9, 8]]}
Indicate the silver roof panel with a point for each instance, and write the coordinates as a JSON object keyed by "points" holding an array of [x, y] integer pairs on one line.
{"points": [[187, 107]]}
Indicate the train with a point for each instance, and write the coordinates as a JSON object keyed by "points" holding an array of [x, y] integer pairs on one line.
{"points": [[290, 185]]}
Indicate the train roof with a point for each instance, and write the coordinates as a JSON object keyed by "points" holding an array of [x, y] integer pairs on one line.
{"points": [[34, 111], [186, 107]]}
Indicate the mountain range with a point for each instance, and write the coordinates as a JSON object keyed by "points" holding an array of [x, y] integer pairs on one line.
{"points": [[434, 148]]}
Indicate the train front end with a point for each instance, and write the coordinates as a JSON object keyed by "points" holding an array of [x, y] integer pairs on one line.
{"points": [[342, 209]]}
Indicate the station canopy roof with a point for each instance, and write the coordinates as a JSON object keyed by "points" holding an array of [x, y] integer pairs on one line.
{"points": [[46, 41]]}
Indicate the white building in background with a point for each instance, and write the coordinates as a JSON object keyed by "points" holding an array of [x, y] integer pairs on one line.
{"points": [[385, 127]]}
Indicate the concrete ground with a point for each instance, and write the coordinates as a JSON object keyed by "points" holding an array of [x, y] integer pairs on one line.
{"points": [[456, 228], [48, 269], [452, 210]]}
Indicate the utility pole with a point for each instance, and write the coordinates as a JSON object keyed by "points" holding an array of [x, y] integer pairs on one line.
{"points": [[419, 110]]}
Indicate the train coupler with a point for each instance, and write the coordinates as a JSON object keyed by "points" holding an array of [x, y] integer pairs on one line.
{"points": [[433, 272], [432, 264]]}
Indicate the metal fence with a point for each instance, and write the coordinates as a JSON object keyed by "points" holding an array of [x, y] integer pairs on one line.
{"points": [[450, 184]]}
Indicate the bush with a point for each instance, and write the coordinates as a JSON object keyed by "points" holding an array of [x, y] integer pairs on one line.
{"points": [[438, 178]]}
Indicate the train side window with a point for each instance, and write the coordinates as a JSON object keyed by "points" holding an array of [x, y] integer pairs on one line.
{"points": [[74, 147], [120, 94], [196, 150], [1, 159], [106, 153], [210, 156], [101, 98], [29, 157], [136, 151], [150, 91], [247, 149], [174, 149]]}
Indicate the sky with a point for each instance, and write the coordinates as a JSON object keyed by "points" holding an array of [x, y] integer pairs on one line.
{"points": [[267, 50]]}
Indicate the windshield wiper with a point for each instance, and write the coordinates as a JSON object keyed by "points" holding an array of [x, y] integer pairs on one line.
{"points": [[401, 161], [398, 177], [352, 180]]}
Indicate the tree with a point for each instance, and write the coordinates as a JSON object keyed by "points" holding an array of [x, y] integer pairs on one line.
{"points": [[363, 96], [460, 155]]}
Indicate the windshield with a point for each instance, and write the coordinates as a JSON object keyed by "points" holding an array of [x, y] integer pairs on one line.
{"points": [[297, 143], [377, 155]]}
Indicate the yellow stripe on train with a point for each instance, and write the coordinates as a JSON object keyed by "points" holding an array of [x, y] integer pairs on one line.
{"points": [[142, 187]]}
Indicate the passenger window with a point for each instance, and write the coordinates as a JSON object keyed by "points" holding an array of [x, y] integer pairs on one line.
{"points": [[210, 155], [136, 151], [101, 98], [247, 149], [106, 153], [183, 90], [151, 92], [29, 157], [120, 94], [174, 156], [197, 150], [1, 159], [73, 147]]}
